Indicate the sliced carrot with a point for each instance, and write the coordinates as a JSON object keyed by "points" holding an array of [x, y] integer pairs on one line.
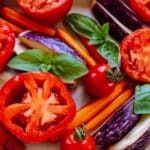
{"points": [[99, 119], [67, 38], [24, 22], [90, 110], [15, 28]]}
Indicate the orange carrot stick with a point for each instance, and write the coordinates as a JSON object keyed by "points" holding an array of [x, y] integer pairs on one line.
{"points": [[15, 28], [24, 22], [90, 110], [108, 111], [67, 38]]}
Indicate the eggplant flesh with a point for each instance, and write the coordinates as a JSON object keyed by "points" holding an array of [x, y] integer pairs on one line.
{"points": [[117, 30], [120, 123], [137, 139], [48, 44], [123, 13]]}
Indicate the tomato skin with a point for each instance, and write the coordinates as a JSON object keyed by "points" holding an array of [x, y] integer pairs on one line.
{"points": [[141, 7], [50, 14], [7, 42], [135, 55], [41, 93], [96, 82], [70, 143]]}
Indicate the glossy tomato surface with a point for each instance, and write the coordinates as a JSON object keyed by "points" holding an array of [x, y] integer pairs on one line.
{"points": [[49, 11], [36, 107], [135, 54], [96, 81], [70, 143]]}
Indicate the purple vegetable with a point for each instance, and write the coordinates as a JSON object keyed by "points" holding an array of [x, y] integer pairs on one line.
{"points": [[117, 30], [137, 139], [46, 43], [117, 126], [123, 13]]}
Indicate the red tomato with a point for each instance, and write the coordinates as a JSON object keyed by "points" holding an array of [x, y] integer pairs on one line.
{"points": [[46, 10], [71, 142], [142, 8], [96, 81], [7, 42], [36, 107], [135, 54]]}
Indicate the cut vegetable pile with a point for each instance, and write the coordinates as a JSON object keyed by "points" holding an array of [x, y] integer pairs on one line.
{"points": [[49, 62]]}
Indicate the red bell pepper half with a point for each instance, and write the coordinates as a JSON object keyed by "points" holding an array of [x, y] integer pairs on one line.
{"points": [[36, 107], [7, 42], [142, 8]]}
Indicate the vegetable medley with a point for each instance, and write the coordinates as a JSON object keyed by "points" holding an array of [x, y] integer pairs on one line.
{"points": [[49, 62]]}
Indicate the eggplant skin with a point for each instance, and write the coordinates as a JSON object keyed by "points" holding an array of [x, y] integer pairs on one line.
{"points": [[117, 126], [141, 143], [116, 31]]}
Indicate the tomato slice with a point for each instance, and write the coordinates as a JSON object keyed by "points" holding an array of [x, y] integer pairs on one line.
{"points": [[135, 53], [7, 42], [36, 107], [142, 8], [48, 10]]}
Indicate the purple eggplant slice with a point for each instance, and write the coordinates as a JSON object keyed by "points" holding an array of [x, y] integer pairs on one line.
{"points": [[117, 126], [138, 138], [46, 43], [117, 30]]}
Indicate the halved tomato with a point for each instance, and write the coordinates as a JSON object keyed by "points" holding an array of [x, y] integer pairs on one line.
{"points": [[49, 11], [36, 107], [135, 54]]}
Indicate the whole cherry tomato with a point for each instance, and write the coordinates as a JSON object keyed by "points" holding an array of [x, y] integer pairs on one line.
{"points": [[101, 80], [78, 140], [46, 10]]}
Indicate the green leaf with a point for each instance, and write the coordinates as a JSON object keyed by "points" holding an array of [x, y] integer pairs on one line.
{"points": [[105, 30], [96, 40], [110, 51], [29, 60], [68, 67], [83, 25], [142, 99]]}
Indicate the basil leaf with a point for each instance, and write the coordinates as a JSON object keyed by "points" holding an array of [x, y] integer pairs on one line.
{"points": [[142, 99], [29, 60], [83, 25], [105, 30], [110, 51], [95, 40], [67, 67]]}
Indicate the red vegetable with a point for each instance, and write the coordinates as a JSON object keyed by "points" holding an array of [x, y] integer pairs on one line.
{"points": [[101, 80], [92, 51], [135, 54], [142, 8], [8, 141], [7, 41], [46, 10], [36, 107], [78, 140]]}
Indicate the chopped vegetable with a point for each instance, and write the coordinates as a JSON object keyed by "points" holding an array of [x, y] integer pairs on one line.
{"points": [[135, 55], [142, 99], [46, 43], [142, 8], [36, 107], [101, 80], [138, 138], [117, 30], [7, 42], [123, 13], [102, 116], [92, 109], [49, 11], [97, 35], [78, 139], [24, 22], [67, 38], [119, 124], [65, 66]]}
